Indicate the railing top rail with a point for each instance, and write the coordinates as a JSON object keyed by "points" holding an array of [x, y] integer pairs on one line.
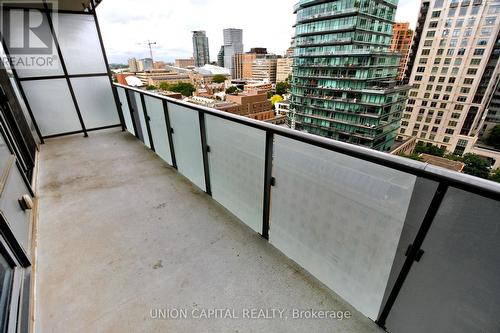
{"points": [[463, 181]]}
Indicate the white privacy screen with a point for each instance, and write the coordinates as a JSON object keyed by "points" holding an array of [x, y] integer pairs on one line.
{"points": [[236, 160], [52, 106], [339, 217], [187, 143], [96, 101]]}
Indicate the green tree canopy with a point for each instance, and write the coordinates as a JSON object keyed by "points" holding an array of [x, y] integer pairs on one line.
{"points": [[184, 88], [422, 148], [495, 176], [494, 138], [476, 165], [219, 78], [282, 88], [150, 87], [232, 90]]}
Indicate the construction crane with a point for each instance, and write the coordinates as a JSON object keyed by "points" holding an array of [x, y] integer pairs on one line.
{"points": [[149, 43]]}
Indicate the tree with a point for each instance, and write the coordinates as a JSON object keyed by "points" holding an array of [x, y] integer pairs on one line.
{"points": [[164, 86], [275, 99], [476, 165], [495, 176], [282, 88], [150, 87], [186, 89], [233, 90], [219, 78], [494, 138], [423, 148]]}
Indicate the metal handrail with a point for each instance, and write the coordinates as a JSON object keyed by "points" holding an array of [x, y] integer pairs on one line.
{"points": [[462, 181]]}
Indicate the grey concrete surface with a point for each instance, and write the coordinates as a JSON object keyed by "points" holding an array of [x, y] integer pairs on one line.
{"points": [[120, 234]]}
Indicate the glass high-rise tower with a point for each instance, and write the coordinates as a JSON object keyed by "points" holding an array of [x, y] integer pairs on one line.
{"points": [[344, 77], [201, 52]]}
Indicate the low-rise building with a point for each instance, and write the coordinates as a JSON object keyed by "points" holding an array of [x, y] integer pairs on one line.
{"points": [[155, 77], [184, 63]]}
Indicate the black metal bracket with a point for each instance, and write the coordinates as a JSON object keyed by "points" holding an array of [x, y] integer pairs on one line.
{"points": [[419, 254]]}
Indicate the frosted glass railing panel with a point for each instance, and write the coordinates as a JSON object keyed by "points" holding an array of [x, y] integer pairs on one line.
{"points": [[236, 160], [79, 42], [458, 274], [52, 106], [158, 128], [142, 119], [187, 143], [38, 57], [339, 217], [96, 101], [122, 95]]}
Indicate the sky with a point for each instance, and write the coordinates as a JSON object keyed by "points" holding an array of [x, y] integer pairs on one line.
{"points": [[127, 25]]}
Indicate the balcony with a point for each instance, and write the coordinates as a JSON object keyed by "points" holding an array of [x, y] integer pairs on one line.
{"points": [[120, 233], [144, 204]]}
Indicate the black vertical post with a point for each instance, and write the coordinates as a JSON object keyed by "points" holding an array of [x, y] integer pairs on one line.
{"points": [[147, 120], [103, 50], [414, 251], [65, 69], [132, 113], [205, 149], [268, 180], [170, 131]]}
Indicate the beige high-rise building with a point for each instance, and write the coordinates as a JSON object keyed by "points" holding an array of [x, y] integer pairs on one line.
{"points": [[243, 65], [452, 67], [283, 69], [264, 68]]}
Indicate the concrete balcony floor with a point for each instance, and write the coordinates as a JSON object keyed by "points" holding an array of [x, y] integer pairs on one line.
{"points": [[121, 233]]}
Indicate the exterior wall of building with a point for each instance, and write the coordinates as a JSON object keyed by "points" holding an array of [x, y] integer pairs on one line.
{"points": [[155, 78], [343, 84], [220, 57], [184, 63], [264, 68], [401, 40], [132, 65], [451, 72], [283, 69], [233, 44], [201, 53]]}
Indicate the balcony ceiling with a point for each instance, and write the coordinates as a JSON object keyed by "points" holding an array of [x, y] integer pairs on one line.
{"points": [[73, 5]]}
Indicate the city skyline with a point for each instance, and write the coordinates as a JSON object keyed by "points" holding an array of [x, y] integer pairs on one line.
{"points": [[172, 29]]}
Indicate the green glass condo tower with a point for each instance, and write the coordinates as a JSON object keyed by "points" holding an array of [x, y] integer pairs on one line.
{"points": [[344, 76]]}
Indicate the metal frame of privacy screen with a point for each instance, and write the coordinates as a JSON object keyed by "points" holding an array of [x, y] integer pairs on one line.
{"points": [[66, 74]]}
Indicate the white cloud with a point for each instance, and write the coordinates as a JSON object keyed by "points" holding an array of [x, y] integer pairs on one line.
{"points": [[265, 23]]}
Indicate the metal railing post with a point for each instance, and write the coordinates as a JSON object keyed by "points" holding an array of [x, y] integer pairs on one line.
{"points": [[268, 182], [170, 132], [147, 119], [414, 251], [205, 150]]}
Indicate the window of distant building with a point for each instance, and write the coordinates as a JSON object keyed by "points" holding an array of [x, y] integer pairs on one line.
{"points": [[478, 52], [490, 20], [436, 13]]}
